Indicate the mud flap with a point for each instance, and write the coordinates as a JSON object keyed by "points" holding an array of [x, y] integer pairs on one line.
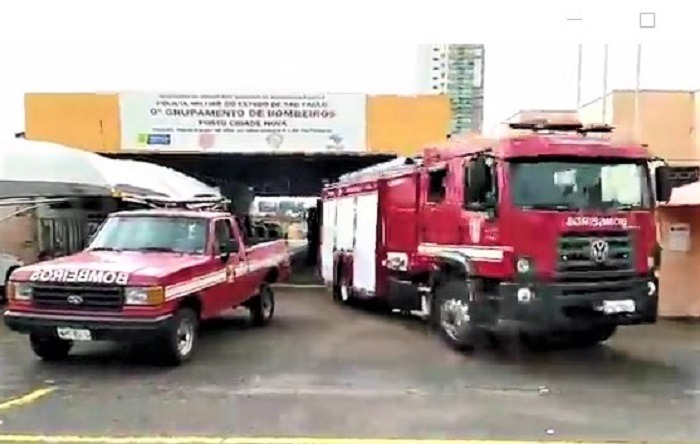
{"points": [[403, 295]]}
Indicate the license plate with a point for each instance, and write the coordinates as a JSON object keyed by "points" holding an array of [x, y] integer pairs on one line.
{"points": [[623, 306], [74, 334]]}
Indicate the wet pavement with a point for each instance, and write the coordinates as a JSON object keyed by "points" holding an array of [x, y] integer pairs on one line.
{"points": [[321, 370]]}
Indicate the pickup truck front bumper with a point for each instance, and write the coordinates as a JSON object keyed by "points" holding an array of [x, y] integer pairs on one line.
{"points": [[102, 328], [573, 305]]}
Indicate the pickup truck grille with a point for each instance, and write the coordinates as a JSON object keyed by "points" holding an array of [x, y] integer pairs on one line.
{"points": [[96, 298], [576, 265]]}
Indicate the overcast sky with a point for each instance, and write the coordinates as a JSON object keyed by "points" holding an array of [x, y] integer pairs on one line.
{"points": [[516, 76]]}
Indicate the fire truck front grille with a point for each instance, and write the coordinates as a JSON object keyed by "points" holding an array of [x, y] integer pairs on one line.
{"points": [[64, 297], [605, 259]]}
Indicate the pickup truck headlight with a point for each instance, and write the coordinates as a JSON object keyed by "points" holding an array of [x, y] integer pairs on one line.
{"points": [[19, 292], [144, 296]]}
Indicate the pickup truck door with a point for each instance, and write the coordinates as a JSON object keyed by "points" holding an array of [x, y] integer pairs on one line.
{"points": [[231, 292]]}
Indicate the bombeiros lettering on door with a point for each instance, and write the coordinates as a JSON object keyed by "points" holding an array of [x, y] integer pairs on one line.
{"points": [[82, 276]]}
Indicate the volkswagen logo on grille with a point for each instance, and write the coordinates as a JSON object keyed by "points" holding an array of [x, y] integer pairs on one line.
{"points": [[599, 250], [75, 299]]}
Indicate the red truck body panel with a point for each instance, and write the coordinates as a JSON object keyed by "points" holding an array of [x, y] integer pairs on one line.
{"points": [[414, 233], [218, 285]]}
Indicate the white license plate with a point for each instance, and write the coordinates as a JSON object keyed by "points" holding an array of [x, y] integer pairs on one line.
{"points": [[623, 306], [74, 334]]}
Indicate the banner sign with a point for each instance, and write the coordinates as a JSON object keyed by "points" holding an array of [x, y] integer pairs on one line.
{"points": [[243, 123]]}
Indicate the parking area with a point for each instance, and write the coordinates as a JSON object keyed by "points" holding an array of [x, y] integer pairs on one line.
{"points": [[321, 370]]}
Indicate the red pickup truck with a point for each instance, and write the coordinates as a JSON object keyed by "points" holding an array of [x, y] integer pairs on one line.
{"points": [[148, 277]]}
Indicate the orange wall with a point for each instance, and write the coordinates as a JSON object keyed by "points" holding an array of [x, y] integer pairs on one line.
{"points": [[667, 120], [81, 120], [400, 125], [680, 272], [404, 125]]}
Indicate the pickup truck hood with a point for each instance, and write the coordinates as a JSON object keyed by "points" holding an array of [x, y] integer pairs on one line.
{"points": [[106, 267]]}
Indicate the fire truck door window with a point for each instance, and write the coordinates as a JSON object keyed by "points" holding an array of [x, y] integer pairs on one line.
{"points": [[480, 184], [437, 189]]}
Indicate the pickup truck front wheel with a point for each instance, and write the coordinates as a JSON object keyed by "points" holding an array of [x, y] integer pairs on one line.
{"points": [[262, 307], [50, 348], [179, 343]]}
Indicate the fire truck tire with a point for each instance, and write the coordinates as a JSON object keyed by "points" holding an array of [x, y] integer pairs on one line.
{"points": [[452, 316], [262, 307], [49, 348], [180, 342], [342, 291], [592, 337]]}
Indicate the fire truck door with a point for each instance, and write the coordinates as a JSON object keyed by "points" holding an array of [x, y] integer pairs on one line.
{"points": [[328, 221], [435, 226], [364, 260]]}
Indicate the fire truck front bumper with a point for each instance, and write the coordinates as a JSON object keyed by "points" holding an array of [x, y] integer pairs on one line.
{"points": [[564, 305], [93, 328]]}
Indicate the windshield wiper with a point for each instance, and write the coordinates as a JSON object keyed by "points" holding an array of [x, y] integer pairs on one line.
{"points": [[158, 249], [105, 249], [554, 207], [618, 206]]}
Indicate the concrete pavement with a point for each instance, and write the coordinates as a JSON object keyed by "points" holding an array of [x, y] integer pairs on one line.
{"points": [[321, 370]]}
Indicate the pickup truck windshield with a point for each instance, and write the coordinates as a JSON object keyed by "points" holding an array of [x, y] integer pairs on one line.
{"points": [[574, 185], [152, 233]]}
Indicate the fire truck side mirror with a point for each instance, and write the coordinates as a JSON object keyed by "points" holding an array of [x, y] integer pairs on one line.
{"points": [[664, 188]]}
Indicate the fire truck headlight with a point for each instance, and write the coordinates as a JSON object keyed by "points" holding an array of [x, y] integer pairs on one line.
{"points": [[651, 288], [523, 265], [524, 295], [144, 296], [20, 292]]}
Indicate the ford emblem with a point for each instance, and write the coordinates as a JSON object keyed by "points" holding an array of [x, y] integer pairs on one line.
{"points": [[75, 299]]}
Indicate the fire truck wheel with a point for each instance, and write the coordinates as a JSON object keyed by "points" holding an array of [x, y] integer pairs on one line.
{"points": [[50, 348], [341, 289], [262, 307], [453, 317], [180, 342], [592, 336]]}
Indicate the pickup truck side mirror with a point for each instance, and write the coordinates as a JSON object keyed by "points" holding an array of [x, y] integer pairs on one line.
{"points": [[225, 250], [234, 245]]}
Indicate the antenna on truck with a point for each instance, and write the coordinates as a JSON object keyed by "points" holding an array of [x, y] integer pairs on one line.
{"points": [[543, 125]]}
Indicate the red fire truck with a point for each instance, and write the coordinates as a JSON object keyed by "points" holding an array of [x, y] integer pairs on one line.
{"points": [[147, 277], [548, 234]]}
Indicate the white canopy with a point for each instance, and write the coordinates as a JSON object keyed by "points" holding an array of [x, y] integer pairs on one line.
{"points": [[165, 180], [43, 169], [686, 195]]}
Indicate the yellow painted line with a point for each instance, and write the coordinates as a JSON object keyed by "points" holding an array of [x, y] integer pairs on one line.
{"points": [[26, 399], [65, 439]]}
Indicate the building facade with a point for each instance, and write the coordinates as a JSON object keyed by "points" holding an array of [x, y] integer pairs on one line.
{"points": [[455, 70]]}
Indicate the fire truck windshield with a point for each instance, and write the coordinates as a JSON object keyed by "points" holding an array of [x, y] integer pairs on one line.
{"points": [[578, 185], [152, 233]]}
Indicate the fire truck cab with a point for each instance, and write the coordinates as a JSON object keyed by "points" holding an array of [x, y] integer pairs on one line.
{"points": [[549, 235]]}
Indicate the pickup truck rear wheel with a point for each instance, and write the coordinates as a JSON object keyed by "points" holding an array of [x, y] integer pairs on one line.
{"points": [[180, 341], [262, 307], [50, 348]]}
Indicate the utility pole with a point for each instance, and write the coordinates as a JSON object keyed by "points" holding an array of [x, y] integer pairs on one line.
{"points": [[605, 83]]}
